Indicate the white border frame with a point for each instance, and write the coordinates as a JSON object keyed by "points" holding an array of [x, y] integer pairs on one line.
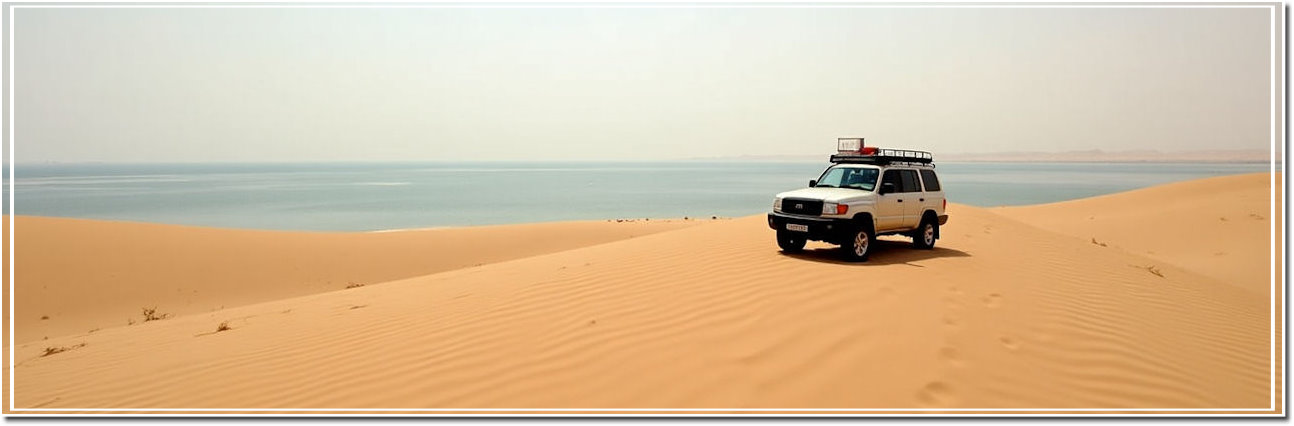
{"points": [[1275, 9]]}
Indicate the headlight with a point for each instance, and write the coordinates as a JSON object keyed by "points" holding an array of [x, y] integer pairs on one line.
{"points": [[777, 204], [833, 208]]}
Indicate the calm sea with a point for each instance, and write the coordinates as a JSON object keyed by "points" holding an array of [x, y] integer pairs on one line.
{"points": [[378, 196]]}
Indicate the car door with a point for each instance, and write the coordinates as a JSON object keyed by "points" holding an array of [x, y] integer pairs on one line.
{"points": [[889, 205], [913, 198]]}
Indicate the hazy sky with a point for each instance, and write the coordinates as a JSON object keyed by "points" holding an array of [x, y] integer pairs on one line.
{"points": [[600, 83]]}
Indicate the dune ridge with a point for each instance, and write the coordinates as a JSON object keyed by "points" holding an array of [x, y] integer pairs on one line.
{"points": [[1003, 314], [1203, 225], [76, 275]]}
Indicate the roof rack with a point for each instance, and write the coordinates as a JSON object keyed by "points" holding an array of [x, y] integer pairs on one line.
{"points": [[882, 156]]}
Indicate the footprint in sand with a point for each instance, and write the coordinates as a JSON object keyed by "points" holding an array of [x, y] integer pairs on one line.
{"points": [[952, 321], [936, 393], [1009, 342], [950, 355], [954, 297], [993, 300]]}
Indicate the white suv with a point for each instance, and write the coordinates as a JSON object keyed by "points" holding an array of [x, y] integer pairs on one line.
{"points": [[865, 193]]}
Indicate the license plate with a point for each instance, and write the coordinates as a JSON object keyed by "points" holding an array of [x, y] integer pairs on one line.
{"points": [[797, 227]]}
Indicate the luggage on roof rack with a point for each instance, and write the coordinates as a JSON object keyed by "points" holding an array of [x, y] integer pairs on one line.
{"points": [[884, 156]]}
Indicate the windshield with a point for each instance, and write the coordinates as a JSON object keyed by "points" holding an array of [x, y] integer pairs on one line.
{"points": [[863, 178]]}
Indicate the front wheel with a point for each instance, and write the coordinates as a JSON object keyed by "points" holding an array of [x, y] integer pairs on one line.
{"points": [[924, 237], [858, 245], [790, 242]]}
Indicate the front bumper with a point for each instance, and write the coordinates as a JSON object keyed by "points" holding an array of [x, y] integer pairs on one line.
{"points": [[820, 228]]}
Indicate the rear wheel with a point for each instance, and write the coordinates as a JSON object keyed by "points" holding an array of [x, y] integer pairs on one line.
{"points": [[858, 245], [924, 236], [790, 242]]}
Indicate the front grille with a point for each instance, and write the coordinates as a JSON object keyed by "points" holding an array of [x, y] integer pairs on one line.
{"points": [[800, 206]]}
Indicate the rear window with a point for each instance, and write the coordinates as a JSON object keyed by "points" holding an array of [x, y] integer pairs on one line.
{"points": [[932, 182], [909, 179]]}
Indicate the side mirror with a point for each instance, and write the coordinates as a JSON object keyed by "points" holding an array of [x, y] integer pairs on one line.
{"points": [[813, 182], [887, 188]]}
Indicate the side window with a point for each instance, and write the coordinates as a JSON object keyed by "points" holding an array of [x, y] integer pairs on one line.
{"points": [[910, 183], [928, 177], [892, 176]]}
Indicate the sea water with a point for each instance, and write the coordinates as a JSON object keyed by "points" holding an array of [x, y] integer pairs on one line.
{"points": [[382, 196]]}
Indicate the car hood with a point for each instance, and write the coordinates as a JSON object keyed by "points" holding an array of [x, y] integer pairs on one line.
{"points": [[830, 195]]}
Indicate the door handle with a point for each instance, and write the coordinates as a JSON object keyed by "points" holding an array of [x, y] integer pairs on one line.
{"points": [[900, 200], [922, 200]]}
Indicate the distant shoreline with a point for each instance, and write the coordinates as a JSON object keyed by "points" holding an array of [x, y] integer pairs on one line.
{"points": [[1092, 156]]}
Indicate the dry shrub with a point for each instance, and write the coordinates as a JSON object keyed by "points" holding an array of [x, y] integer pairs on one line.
{"points": [[150, 314], [59, 349]]}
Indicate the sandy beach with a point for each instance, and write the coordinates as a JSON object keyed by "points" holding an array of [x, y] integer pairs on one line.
{"points": [[1159, 298]]}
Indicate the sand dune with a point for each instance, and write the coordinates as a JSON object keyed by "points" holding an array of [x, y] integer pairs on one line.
{"points": [[78, 275], [1220, 227], [1003, 314]]}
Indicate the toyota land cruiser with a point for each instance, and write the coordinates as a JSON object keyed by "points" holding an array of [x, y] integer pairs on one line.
{"points": [[866, 192]]}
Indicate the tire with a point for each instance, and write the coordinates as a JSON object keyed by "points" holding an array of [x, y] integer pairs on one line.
{"points": [[791, 242], [858, 244], [924, 237]]}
